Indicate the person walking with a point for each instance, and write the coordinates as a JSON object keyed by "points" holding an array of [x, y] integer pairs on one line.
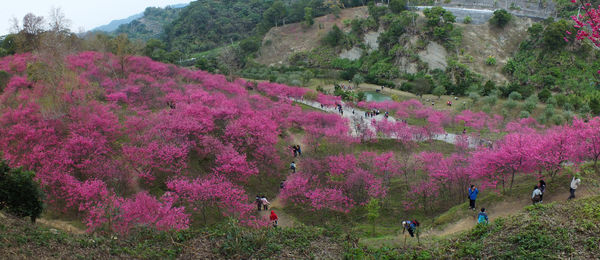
{"points": [[482, 218], [294, 150], [293, 167], [273, 217], [299, 150], [536, 196], [412, 227], [265, 203], [258, 202], [473, 191], [574, 185], [542, 186]]}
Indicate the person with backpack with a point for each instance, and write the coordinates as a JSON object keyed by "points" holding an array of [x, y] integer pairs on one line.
{"points": [[536, 196], [574, 185], [412, 227], [293, 167], [473, 191], [482, 218], [258, 202], [542, 186], [299, 150], [265, 203], [273, 217]]}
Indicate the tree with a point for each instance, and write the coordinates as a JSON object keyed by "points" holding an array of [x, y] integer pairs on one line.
{"points": [[554, 35], [439, 91], [587, 24], [373, 213], [20, 194], [500, 18], [357, 80], [439, 22], [397, 6], [275, 13], [335, 37], [308, 16]]}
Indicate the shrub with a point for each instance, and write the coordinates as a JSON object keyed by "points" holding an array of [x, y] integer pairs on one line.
{"points": [[490, 61], [467, 20], [490, 100], [335, 37], [544, 95], [515, 96], [20, 194], [397, 6], [524, 114], [510, 104], [500, 18]]}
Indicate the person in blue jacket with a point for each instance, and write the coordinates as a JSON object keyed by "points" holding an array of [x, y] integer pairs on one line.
{"points": [[482, 218], [473, 191]]}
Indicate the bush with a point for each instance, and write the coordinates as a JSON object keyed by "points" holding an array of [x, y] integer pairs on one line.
{"points": [[490, 61], [510, 104], [490, 100], [467, 20], [524, 114], [335, 37], [515, 96], [20, 194], [500, 18], [397, 6], [544, 95]]}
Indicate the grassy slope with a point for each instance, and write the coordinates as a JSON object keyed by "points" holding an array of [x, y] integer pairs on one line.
{"points": [[555, 230]]}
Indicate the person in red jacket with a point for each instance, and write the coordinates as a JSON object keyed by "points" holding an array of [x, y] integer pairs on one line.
{"points": [[273, 218]]}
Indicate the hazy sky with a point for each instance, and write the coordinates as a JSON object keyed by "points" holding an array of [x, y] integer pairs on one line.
{"points": [[85, 14]]}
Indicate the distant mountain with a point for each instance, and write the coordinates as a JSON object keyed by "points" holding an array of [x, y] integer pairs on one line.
{"points": [[114, 25]]}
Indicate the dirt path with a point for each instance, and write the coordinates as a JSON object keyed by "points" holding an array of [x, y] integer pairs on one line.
{"points": [[285, 220], [504, 209], [56, 224]]}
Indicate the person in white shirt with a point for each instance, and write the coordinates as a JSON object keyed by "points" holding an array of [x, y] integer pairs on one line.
{"points": [[574, 185], [536, 196]]}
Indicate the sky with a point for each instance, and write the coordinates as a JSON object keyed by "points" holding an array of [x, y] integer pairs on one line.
{"points": [[84, 14]]}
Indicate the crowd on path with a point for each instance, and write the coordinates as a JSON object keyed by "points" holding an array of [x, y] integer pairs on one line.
{"points": [[355, 114]]}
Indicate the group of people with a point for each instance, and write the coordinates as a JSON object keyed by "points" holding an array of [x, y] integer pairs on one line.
{"points": [[296, 150], [262, 202], [340, 109], [538, 192], [373, 113]]}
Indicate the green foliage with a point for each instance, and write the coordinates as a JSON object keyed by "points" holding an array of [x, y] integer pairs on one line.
{"points": [[204, 25], [439, 22], [490, 61], [544, 95], [515, 96], [500, 18], [467, 20], [308, 16], [4, 77], [373, 209], [554, 34], [20, 194], [524, 114], [510, 104], [335, 37], [357, 80], [151, 25], [397, 6], [439, 91]]}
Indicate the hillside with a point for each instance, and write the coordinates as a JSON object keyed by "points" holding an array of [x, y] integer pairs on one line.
{"points": [[151, 25]]}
